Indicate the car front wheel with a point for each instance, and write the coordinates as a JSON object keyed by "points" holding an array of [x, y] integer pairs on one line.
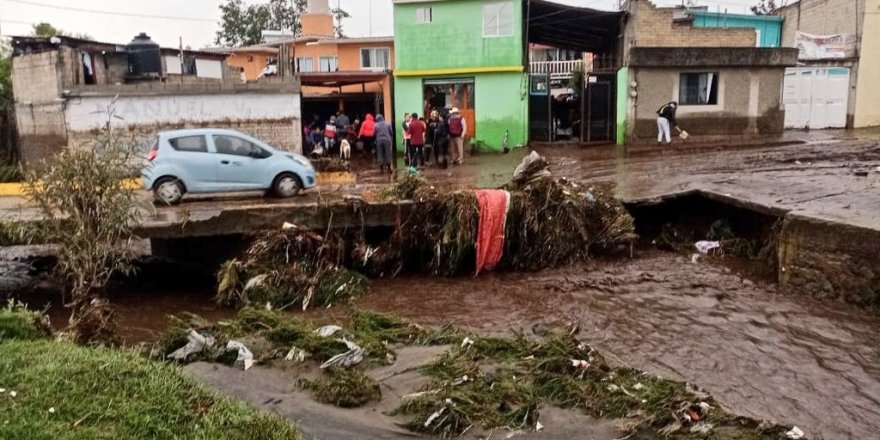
{"points": [[286, 185], [168, 191]]}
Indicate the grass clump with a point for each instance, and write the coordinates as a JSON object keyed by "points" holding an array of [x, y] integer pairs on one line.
{"points": [[19, 323], [344, 388], [63, 392]]}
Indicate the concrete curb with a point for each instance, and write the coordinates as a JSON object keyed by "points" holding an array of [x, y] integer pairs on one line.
{"points": [[324, 178]]}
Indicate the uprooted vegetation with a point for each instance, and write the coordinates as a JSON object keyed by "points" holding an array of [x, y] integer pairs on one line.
{"points": [[548, 223], [485, 384]]}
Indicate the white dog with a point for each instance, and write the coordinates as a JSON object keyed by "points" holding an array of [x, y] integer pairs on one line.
{"points": [[345, 150]]}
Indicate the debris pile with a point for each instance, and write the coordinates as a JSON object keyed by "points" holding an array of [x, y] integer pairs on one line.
{"points": [[543, 223], [503, 384], [549, 222], [293, 266]]}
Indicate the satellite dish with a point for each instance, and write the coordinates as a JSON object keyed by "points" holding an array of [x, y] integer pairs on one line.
{"points": [[55, 40]]}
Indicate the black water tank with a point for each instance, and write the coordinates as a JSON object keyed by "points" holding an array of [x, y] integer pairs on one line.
{"points": [[144, 56]]}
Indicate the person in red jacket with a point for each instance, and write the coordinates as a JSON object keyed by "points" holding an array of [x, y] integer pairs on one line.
{"points": [[367, 133], [416, 131]]}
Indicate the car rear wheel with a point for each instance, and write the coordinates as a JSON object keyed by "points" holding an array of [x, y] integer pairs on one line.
{"points": [[286, 185], [168, 190]]}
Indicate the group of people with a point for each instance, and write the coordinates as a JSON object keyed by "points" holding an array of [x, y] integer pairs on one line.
{"points": [[426, 142]]}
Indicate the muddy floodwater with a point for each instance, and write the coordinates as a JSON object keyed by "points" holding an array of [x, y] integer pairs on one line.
{"points": [[764, 354]]}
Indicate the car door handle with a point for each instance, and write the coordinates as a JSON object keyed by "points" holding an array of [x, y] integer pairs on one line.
{"points": [[224, 162]]}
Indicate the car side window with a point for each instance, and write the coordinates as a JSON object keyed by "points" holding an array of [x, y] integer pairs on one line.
{"points": [[238, 147], [195, 144]]}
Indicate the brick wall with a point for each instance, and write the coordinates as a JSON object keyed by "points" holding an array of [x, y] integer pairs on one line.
{"points": [[35, 78], [824, 17], [655, 27]]}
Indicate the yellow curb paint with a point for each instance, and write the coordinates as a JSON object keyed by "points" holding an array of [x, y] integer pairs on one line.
{"points": [[336, 178], [329, 178]]}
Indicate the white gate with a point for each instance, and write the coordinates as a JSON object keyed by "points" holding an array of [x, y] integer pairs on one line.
{"points": [[816, 97]]}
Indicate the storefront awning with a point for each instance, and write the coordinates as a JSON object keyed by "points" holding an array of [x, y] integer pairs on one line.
{"points": [[571, 27]]}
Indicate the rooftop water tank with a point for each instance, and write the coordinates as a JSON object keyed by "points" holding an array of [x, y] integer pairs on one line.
{"points": [[144, 56]]}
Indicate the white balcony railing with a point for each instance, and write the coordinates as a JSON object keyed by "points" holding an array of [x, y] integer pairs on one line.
{"points": [[556, 67]]}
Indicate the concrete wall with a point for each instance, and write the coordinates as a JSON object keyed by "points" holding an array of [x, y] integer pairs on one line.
{"points": [[830, 260], [274, 118], [35, 78], [454, 37], [824, 17], [748, 102], [252, 62], [651, 26], [41, 130], [867, 102]]}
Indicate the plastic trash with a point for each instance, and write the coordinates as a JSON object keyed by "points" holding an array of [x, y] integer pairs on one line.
{"points": [[704, 247], [580, 364], [702, 428], [328, 330], [245, 359], [352, 357], [296, 354], [287, 225], [196, 343], [467, 342], [539, 427], [532, 166], [257, 281], [591, 199], [434, 416], [795, 433]]}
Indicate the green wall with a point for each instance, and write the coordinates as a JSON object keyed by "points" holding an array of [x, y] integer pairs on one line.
{"points": [[454, 39], [501, 105], [622, 103]]}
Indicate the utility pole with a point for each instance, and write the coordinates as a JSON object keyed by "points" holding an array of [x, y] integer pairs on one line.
{"points": [[181, 55]]}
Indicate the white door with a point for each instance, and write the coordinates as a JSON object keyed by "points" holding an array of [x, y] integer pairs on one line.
{"points": [[816, 98]]}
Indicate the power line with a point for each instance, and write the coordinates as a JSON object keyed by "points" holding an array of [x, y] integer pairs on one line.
{"points": [[117, 13]]}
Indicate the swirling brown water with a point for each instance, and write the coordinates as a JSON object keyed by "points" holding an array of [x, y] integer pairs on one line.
{"points": [[764, 354]]}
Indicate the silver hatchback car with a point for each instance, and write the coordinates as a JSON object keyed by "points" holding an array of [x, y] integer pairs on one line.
{"points": [[211, 160]]}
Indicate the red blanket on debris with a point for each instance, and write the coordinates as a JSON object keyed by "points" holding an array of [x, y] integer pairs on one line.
{"points": [[490, 235]]}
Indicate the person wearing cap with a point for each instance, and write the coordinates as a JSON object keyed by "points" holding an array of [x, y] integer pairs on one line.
{"points": [[457, 131]]}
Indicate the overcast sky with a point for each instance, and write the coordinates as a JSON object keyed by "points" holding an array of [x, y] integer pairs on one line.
{"points": [[115, 21]]}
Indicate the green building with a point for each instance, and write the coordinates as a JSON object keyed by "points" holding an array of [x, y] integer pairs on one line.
{"points": [[468, 54]]}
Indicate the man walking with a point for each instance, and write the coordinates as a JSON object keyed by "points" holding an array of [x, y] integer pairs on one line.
{"points": [[457, 132], [384, 134], [342, 123], [665, 119]]}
